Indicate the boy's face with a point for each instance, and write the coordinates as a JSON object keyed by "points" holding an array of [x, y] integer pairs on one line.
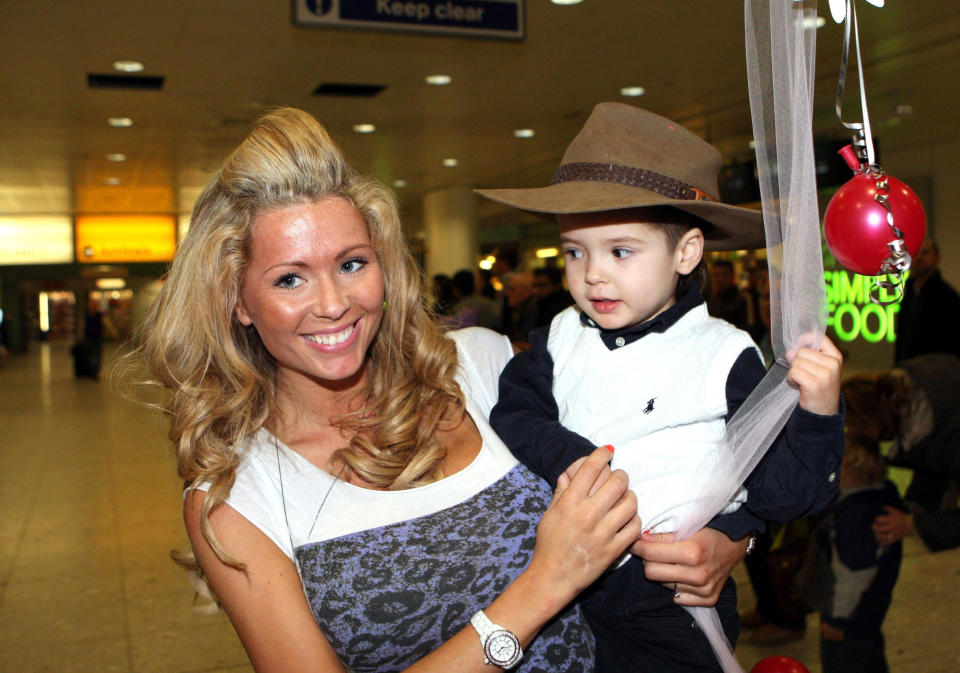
{"points": [[621, 271]]}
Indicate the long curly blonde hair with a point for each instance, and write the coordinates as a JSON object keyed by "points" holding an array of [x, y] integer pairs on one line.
{"points": [[222, 382]]}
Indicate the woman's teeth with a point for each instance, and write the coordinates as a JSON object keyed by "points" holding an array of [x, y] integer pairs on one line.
{"points": [[331, 339]]}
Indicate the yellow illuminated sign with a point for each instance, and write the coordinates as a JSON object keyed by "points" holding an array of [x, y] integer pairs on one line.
{"points": [[852, 314], [125, 238]]}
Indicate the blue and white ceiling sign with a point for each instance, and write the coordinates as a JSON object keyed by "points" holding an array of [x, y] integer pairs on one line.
{"points": [[476, 18]]}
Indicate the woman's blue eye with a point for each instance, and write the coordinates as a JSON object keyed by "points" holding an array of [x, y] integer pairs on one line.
{"points": [[353, 265], [573, 253], [621, 252], [288, 281]]}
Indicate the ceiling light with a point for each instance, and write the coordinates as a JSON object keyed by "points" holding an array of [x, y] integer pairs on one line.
{"points": [[523, 133], [399, 184], [632, 91], [438, 80], [450, 163], [128, 66], [544, 253], [364, 128], [120, 121], [116, 157], [111, 181], [904, 109], [814, 22], [752, 144], [566, 2]]}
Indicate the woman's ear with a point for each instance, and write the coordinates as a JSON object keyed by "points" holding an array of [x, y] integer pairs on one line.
{"points": [[689, 251], [240, 310]]}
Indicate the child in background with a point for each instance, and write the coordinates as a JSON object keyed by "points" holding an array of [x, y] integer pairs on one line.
{"points": [[855, 577], [639, 364]]}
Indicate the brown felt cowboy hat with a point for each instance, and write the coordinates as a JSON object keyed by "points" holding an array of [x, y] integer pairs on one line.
{"points": [[625, 157]]}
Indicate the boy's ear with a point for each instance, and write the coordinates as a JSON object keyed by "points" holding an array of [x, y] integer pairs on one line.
{"points": [[689, 251]]}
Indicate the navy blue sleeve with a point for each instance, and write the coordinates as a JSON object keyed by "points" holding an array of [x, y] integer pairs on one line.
{"points": [[798, 476], [526, 415]]}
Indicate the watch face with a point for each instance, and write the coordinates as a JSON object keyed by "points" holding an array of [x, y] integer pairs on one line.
{"points": [[502, 648]]}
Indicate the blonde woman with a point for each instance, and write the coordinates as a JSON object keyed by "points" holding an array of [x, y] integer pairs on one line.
{"points": [[347, 501]]}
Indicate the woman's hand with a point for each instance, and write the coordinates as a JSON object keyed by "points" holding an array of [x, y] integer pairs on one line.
{"points": [[589, 524], [892, 526], [697, 567]]}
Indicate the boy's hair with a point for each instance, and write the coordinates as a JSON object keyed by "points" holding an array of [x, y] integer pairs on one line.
{"points": [[674, 224], [862, 460]]}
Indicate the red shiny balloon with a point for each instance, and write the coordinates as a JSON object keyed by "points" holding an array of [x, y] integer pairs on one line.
{"points": [[856, 228], [779, 664]]}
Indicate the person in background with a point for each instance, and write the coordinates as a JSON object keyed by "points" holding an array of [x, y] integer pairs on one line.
{"points": [[551, 296], [855, 574], [929, 318], [443, 297], [346, 498], [471, 308], [726, 301], [519, 307], [916, 405]]}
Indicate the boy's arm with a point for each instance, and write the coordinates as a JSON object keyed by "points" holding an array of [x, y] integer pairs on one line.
{"points": [[799, 473], [526, 415]]}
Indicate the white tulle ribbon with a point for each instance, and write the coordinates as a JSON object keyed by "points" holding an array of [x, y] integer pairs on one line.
{"points": [[780, 65]]}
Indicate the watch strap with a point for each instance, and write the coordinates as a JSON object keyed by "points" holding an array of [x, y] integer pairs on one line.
{"points": [[487, 631]]}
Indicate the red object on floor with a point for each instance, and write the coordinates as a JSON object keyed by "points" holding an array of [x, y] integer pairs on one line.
{"points": [[779, 664]]}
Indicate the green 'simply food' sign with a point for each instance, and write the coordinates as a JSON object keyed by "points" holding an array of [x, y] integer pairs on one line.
{"points": [[851, 313]]}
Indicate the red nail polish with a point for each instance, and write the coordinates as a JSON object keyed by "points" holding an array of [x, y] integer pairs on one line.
{"points": [[608, 447]]}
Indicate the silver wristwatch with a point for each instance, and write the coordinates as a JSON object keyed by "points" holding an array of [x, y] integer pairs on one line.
{"points": [[500, 647]]}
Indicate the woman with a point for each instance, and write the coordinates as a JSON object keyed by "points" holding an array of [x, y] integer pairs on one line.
{"points": [[915, 405], [347, 501]]}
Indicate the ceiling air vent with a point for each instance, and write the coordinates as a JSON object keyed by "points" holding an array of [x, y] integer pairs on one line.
{"points": [[141, 82], [348, 89]]}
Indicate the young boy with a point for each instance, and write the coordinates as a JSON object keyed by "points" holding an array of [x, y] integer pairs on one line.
{"points": [[855, 578], [639, 364]]}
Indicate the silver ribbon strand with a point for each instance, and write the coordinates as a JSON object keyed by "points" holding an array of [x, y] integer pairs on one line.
{"points": [[897, 263]]}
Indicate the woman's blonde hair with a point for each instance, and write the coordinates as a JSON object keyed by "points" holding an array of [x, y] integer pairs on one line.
{"points": [[222, 382]]}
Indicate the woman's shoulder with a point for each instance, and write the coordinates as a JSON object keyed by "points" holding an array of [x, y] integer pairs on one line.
{"points": [[481, 356], [257, 490]]}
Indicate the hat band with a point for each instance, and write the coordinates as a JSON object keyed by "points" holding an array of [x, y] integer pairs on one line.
{"points": [[632, 177]]}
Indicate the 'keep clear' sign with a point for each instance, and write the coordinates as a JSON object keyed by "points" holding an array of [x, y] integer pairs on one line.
{"points": [[478, 18]]}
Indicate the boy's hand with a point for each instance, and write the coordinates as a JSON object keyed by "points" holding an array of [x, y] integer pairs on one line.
{"points": [[817, 374], [831, 633]]}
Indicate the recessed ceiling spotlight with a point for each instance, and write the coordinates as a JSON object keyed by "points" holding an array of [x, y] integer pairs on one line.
{"points": [[904, 109], [752, 144], [364, 128], [523, 133], [450, 162], [438, 80], [120, 122], [399, 184], [111, 181], [814, 22], [116, 157], [632, 91], [128, 66], [566, 2]]}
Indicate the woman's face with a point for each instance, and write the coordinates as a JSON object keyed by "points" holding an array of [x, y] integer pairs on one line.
{"points": [[314, 290]]}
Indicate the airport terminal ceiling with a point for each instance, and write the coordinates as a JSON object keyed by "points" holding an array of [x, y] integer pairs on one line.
{"points": [[212, 66]]}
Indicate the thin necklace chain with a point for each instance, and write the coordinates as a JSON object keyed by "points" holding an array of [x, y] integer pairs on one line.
{"points": [[283, 498]]}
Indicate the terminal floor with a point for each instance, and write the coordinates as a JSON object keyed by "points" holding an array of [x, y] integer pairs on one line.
{"points": [[90, 511]]}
